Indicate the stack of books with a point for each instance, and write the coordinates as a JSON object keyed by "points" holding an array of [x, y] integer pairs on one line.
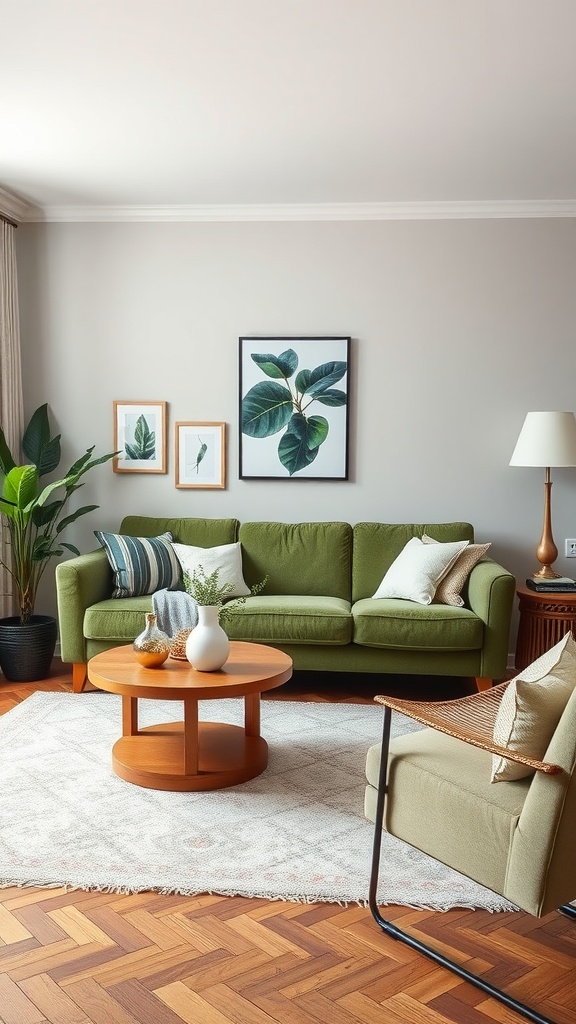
{"points": [[560, 585]]}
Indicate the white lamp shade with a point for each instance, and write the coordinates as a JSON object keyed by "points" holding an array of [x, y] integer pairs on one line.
{"points": [[546, 439]]}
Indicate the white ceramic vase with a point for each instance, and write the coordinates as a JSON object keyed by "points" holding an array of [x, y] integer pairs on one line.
{"points": [[207, 647]]}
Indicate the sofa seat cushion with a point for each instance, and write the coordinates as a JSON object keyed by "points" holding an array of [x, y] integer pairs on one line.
{"points": [[453, 780], [405, 625], [119, 618], [285, 619]]}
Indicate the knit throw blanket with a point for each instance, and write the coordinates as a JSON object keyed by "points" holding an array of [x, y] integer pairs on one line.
{"points": [[175, 610]]}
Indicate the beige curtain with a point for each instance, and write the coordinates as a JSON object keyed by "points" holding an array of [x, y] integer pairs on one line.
{"points": [[11, 402]]}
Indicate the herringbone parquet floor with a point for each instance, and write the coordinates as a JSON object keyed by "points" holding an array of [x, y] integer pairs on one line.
{"points": [[103, 958]]}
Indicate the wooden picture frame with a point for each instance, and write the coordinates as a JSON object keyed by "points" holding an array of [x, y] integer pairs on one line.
{"points": [[200, 454], [281, 437], [140, 437]]}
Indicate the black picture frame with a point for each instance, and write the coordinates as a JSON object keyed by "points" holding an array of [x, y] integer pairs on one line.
{"points": [[281, 378]]}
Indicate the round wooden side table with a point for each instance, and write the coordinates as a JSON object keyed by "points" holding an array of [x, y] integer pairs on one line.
{"points": [[544, 619]]}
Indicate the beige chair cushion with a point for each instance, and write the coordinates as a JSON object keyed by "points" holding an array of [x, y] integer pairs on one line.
{"points": [[531, 708], [456, 815]]}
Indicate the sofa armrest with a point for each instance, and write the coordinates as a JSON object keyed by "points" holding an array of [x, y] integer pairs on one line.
{"points": [[491, 590], [80, 582]]}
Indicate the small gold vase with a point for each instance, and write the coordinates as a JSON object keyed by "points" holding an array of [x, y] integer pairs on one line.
{"points": [[152, 647]]}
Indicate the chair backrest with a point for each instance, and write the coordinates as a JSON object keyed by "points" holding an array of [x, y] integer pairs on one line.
{"points": [[541, 873]]}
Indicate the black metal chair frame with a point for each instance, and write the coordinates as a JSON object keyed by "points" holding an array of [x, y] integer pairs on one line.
{"points": [[421, 947]]}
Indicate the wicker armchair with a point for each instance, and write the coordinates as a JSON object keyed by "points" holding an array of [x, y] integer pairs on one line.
{"points": [[432, 789]]}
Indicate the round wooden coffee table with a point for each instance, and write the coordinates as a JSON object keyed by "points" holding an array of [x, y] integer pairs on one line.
{"points": [[190, 755]]}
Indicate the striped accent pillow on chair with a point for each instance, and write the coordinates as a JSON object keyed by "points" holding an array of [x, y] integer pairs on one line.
{"points": [[141, 565]]}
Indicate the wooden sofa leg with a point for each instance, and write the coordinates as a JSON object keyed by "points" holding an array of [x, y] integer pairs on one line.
{"points": [[484, 684], [79, 676]]}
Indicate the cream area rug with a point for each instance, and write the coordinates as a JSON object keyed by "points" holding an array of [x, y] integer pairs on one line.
{"points": [[297, 832]]}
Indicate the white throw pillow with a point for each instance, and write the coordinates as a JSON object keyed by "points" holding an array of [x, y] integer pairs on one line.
{"points": [[418, 569], [531, 708], [227, 558], [448, 591]]}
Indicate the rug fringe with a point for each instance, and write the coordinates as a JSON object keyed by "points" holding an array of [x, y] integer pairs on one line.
{"points": [[132, 890]]}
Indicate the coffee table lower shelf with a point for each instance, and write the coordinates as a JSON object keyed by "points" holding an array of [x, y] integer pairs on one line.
{"points": [[155, 757]]}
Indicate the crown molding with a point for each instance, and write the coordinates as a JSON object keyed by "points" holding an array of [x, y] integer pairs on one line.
{"points": [[479, 210], [13, 208]]}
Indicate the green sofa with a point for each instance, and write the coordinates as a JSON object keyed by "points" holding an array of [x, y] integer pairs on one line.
{"points": [[317, 604]]}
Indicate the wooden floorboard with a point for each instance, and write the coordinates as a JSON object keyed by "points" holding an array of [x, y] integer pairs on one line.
{"points": [[106, 958]]}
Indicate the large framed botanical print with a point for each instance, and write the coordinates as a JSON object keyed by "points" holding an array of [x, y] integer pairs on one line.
{"points": [[294, 406]]}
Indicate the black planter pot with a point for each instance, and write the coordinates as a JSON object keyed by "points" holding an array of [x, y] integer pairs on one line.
{"points": [[27, 649]]}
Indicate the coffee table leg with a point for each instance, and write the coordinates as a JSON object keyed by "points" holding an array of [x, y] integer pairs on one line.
{"points": [[191, 737], [129, 716], [252, 714]]}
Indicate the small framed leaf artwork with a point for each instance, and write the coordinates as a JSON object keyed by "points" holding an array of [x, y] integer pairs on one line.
{"points": [[201, 455], [140, 437], [294, 401]]}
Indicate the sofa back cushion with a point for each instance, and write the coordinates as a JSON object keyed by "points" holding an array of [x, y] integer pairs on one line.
{"points": [[204, 533], [377, 545], [310, 559]]}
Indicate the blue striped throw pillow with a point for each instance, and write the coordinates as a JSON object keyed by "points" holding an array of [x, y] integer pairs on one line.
{"points": [[141, 565]]}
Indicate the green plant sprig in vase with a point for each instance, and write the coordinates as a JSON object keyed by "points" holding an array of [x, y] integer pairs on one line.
{"points": [[206, 590]]}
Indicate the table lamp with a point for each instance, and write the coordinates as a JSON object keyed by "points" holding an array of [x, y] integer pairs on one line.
{"points": [[546, 439]]}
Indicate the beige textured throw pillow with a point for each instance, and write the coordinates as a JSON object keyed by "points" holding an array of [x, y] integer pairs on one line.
{"points": [[416, 572], [450, 586], [531, 708]]}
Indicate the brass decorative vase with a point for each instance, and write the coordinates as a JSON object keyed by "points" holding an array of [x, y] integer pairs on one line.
{"points": [[153, 646]]}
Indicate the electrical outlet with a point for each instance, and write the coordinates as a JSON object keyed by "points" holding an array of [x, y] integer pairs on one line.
{"points": [[570, 547]]}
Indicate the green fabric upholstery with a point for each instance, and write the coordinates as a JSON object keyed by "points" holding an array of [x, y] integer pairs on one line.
{"points": [[489, 593], [305, 559], [118, 621], [80, 583], [376, 545], [87, 579], [354, 658], [387, 622], [517, 838], [291, 619], [306, 607], [203, 533]]}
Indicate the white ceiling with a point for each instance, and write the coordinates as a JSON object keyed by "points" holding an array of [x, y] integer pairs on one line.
{"points": [[199, 103]]}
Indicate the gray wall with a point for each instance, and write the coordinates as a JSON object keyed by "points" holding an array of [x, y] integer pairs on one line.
{"points": [[459, 328]]}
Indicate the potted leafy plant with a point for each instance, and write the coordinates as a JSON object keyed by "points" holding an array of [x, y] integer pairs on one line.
{"points": [[33, 514]]}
